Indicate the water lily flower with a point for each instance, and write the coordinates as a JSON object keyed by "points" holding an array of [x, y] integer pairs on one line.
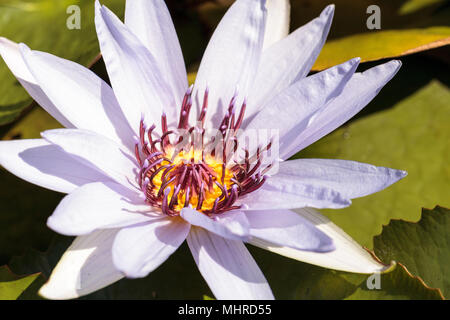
{"points": [[133, 197]]}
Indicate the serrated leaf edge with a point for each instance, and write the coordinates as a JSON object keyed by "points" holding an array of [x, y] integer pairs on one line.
{"points": [[393, 263]]}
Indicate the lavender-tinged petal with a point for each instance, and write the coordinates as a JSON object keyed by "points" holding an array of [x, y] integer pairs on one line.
{"points": [[46, 165], [80, 95], [290, 193], [99, 206], [349, 256], [140, 249], [135, 77], [278, 21], [85, 267], [289, 112], [350, 178], [231, 59], [358, 92], [97, 152], [150, 21], [10, 52], [227, 266], [232, 226], [286, 228], [289, 60]]}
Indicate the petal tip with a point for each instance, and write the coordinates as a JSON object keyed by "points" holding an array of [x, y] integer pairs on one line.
{"points": [[355, 62], [46, 135], [56, 225], [396, 63], [49, 134], [51, 292], [65, 227], [329, 10]]}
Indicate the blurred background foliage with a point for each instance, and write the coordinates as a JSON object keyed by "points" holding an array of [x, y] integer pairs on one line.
{"points": [[405, 127]]}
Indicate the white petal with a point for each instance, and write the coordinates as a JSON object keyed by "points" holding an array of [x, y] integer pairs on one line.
{"points": [[231, 58], [46, 165], [289, 112], [287, 229], [278, 20], [99, 206], [284, 192], [80, 95], [134, 74], [349, 256], [227, 266], [97, 152], [85, 267], [10, 52], [140, 249], [350, 178], [358, 92], [150, 21], [233, 227], [289, 60]]}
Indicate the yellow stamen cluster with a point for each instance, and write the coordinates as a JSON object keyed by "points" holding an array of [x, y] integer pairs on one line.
{"points": [[211, 191]]}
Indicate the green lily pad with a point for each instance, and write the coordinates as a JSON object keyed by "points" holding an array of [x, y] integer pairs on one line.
{"points": [[378, 45], [405, 127], [396, 285], [290, 279], [12, 286], [424, 247]]}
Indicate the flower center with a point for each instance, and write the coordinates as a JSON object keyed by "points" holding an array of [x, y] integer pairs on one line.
{"points": [[183, 167]]}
